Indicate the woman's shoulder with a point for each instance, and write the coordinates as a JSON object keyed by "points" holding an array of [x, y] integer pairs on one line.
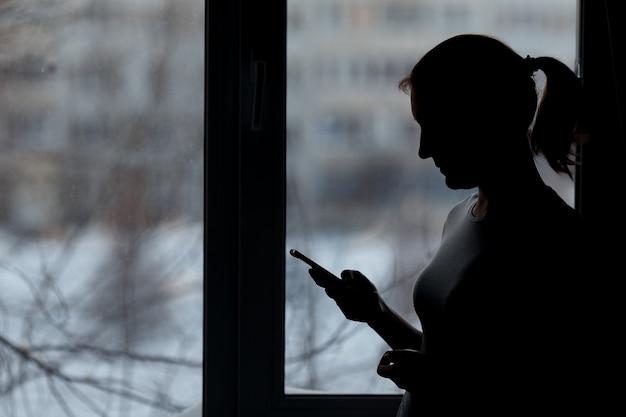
{"points": [[557, 228], [460, 210], [465, 205], [554, 210]]}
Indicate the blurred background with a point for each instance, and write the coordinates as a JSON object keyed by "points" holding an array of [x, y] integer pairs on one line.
{"points": [[358, 196], [101, 207]]}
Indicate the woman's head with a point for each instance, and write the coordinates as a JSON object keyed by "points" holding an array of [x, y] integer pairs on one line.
{"points": [[475, 99]]}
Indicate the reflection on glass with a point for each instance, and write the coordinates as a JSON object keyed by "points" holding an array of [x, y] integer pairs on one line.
{"points": [[358, 196], [101, 234]]}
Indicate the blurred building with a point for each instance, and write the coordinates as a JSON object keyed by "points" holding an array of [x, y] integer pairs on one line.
{"points": [[351, 136], [101, 113]]}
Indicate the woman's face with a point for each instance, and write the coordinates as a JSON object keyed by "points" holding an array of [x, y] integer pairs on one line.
{"points": [[449, 137]]}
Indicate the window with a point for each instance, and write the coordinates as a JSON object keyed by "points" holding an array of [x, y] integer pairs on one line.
{"points": [[246, 177], [101, 207], [358, 196]]}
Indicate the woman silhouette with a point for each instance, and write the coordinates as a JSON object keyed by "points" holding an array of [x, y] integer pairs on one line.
{"points": [[504, 303]]}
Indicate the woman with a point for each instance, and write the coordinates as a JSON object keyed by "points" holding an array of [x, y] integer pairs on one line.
{"points": [[504, 303]]}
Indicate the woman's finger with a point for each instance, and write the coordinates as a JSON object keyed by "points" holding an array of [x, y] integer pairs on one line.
{"points": [[387, 364]]}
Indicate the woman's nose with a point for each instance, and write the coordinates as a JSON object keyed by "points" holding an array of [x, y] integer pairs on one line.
{"points": [[424, 150]]}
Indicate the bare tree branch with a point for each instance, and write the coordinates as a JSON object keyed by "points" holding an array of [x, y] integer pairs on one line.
{"points": [[116, 354], [119, 387]]}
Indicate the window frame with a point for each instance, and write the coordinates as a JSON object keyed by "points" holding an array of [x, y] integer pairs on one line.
{"points": [[245, 195]]}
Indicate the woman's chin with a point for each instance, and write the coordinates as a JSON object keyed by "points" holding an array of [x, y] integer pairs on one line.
{"points": [[458, 184]]}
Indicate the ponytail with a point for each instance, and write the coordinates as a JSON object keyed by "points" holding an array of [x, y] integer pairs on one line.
{"points": [[556, 131]]}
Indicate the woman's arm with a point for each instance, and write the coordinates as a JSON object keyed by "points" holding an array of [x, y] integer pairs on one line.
{"points": [[395, 330], [359, 300]]}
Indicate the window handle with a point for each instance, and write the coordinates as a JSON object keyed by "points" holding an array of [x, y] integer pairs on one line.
{"points": [[258, 78]]}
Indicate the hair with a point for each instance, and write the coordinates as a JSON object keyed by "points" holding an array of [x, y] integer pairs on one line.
{"points": [[478, 76]]}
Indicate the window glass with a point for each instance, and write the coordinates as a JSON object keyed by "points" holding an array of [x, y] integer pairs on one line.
{"points": [[101, 207], [358, 196]]}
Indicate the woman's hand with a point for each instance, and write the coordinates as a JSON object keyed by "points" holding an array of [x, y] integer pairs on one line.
{"points": [[356, 296], [405, 367]]}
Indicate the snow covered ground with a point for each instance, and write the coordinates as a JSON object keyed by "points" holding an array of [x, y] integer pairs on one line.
{"points": [[73, 339]]}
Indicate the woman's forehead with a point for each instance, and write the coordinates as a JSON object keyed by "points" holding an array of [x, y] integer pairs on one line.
{"points": [[422, 107]]}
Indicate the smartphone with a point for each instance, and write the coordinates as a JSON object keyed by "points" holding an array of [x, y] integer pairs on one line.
{"points": [[330, 278]]}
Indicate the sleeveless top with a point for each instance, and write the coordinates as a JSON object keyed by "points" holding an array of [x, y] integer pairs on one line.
{"points": [[501, 306]]}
